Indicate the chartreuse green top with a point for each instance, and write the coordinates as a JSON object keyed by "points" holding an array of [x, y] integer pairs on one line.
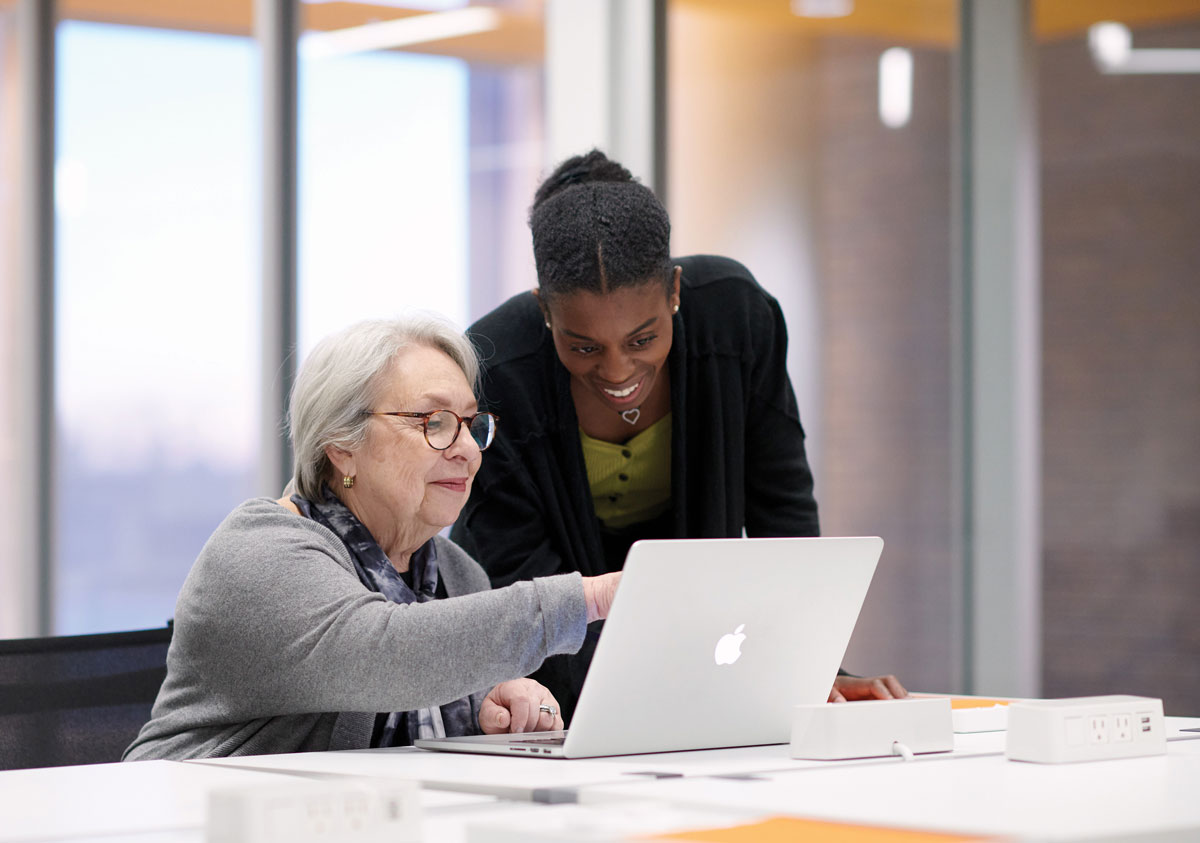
{"points": [[630, 482]]}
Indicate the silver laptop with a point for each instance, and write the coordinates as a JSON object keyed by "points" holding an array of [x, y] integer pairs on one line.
{"points": [[710, 643]]}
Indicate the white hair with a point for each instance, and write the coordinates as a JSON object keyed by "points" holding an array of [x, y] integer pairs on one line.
{"points": [[341, 379]]}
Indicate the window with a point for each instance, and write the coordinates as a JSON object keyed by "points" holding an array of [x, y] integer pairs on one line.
{"points": [[415, 166], [419, 156], [156, 312], [11, 592], [418, 161], [383, 189]]}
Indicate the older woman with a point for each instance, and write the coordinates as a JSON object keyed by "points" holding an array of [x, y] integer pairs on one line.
{"points": [[338, 618]]}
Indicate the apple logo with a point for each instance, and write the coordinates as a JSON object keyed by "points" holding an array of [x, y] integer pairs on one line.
{"points": [[729, 648]]}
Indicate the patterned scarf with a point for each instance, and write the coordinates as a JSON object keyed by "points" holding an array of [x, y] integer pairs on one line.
{"points": [[376, 572]]}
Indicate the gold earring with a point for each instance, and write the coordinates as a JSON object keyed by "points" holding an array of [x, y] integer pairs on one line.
{"points": [[348, 482]]}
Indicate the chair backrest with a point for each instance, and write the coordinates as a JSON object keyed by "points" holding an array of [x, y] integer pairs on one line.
{"points": [[77, 699]]}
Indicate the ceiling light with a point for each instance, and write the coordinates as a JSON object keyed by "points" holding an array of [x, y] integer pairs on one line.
{"points": [[1112, 50], [822, 8], [1111, 43], [401, 32], [895, 87]]}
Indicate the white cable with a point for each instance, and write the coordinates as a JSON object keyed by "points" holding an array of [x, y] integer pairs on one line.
{"points": [[902, 750]]}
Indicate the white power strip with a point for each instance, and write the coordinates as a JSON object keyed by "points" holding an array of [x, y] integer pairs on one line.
{"points": [[1085, 729], [871, 728], [350, 810]]}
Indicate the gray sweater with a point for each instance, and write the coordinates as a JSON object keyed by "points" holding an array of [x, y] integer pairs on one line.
{"points": [[279, 648]]}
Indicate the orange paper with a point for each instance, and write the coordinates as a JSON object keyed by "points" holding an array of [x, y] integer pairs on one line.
{"points": [[789, 829], [974, 702]]}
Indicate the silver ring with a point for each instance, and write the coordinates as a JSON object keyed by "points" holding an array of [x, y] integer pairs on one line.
{"points": [[549, 709]]}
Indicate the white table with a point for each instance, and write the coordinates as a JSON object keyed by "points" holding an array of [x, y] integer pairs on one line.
{"points": [[974, 789], [151, 797], [556, 780], [160, 802], [983, 795]]}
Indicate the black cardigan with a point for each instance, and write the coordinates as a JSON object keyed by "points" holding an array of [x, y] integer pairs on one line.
{"points": [[737, 446]]}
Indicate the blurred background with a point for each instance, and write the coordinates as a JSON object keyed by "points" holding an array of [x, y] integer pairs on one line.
{"points": [[982, 218]]}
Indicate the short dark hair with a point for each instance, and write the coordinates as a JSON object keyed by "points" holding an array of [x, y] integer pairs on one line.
{"points": [[596, 228]]}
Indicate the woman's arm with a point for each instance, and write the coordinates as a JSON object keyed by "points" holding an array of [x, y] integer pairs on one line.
{"points": [[271, 623]]}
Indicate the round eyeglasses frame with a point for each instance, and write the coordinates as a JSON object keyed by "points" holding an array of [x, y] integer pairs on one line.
{"points": [[489, 431]]}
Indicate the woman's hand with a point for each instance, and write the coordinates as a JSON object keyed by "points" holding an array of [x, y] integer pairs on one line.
{"points": [[519, 706], [599, 593], [867, 688]]}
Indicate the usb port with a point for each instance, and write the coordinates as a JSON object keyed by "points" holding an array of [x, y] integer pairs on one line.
{"points": [[1145, 720], [1146, 727]]}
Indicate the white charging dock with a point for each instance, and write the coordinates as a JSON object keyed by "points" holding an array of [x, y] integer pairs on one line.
{"points": [[871, 728], [348, 810], [1085, 729]]}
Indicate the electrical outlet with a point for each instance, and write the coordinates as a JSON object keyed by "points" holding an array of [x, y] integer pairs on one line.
{"points": [[1085, 729], [1122, 731]]}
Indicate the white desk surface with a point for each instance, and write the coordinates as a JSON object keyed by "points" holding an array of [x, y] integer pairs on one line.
{"points": [[540, 779], [142, 801], [98, 799], [550, 779], [983, 795], [975, 789], [442, 822]]}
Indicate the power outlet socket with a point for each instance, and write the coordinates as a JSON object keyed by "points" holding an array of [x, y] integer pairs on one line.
{"points": [[349, 810], [1085, 729]]}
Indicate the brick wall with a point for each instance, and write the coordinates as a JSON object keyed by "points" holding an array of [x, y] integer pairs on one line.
{"points": [[883, 256], [1121, 376], [867, 235]]}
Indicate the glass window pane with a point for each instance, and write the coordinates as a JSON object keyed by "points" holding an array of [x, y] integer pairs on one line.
{"points": [[418, 158], [383, 214], [782, 157], [157, 311], [1120, 157], [11, 610]]}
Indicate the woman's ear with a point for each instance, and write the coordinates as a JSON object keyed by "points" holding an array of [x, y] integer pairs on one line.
{"points": [[678, 274], [342, 460], [537, 294]]}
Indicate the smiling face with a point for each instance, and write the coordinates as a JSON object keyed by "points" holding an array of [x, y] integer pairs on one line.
{"points": [[615, 347], [404, 490]]}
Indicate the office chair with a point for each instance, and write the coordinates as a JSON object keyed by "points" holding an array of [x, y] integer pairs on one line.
{"points": [[77, 699]]}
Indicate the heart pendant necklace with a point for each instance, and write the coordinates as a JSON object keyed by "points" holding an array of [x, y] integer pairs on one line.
{"points": [[631, 416]]}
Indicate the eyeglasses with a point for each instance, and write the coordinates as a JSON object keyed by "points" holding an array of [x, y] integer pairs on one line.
{"points": [[442, 426]]}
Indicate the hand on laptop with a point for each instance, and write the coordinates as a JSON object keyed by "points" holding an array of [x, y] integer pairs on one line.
{"points": [[867, 688], [520, 705], [599, 593]]}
